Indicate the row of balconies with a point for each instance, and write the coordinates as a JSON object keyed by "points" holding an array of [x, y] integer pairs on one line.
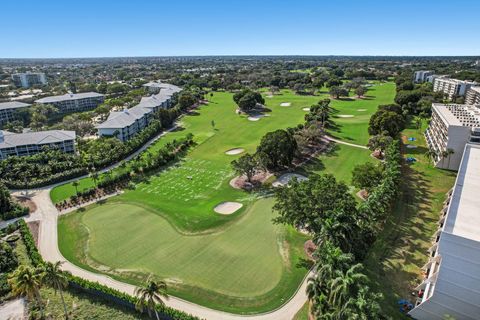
{"points": [[427, 287]]}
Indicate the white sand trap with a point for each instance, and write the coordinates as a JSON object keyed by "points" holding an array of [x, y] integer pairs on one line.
{"points": [[346, 116], [285, 104], [411, 146], [361, 110], [256, 117], [306, 109], [269, 96], [235, 151], [227, 207], [285, 179]]}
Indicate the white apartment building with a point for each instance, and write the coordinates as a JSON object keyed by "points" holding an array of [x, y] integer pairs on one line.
{"points": [[473, 96], [422, 76], [452, 87], [26, 80], [452, 274], [127, 123], [74, 102], [8, 109], [27, 144], [451, 127]]}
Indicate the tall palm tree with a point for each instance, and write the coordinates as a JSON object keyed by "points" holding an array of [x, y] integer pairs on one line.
{"points": [[449, 155], [342, 285], [75, 184], [26, 281], [94, 176], [151, 295], [431, 154], [57, 279], [443, 155]]}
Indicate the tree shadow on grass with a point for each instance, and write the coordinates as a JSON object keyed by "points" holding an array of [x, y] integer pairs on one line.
{"points": [[399, 247]]}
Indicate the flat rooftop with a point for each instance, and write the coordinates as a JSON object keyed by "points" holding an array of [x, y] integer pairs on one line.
{"points": [[69, 96], [463, 217], [459, 114], [13, 105]]}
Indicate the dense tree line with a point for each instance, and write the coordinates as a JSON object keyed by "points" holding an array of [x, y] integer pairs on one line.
{"points": [[343, 231]]}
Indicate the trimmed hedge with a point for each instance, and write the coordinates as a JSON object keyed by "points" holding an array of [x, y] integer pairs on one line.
{"points": [[95, 288]]}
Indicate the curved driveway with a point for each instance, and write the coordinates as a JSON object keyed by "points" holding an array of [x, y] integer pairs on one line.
{"points": [[47, 214]]}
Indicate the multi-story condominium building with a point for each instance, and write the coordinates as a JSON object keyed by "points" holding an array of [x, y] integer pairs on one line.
{"points": [[451, 87], [74, 102], [422, 76], [26, 144], [451, 285], [154, 87], [27, 80], [7, 110], [451, 127], [127, 123], [473, 96]]}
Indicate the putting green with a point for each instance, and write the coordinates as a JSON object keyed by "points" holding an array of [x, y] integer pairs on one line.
{"points": [[245, 263]]}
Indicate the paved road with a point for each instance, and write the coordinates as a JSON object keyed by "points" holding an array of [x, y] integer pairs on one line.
{"points": [[47, 214], [345, 143]]}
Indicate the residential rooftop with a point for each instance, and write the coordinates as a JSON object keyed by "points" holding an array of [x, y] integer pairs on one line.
{"points": [[69, 96], [463, 217], [127, 117], [13, 105], [10, 140], [459, 114]]}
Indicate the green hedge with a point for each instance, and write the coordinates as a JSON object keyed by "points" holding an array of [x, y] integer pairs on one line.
{"points": [[96, 288]]}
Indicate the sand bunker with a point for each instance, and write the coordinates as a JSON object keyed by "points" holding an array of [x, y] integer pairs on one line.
{"points": [[227, 207], [284, 179], [256, 117], [306, 109], [269, 96], [346, 116], [411, 146], [235, 151], [361, 110], [285, 104]]}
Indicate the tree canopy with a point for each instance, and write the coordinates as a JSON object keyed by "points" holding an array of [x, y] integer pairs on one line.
{"points": [[277, 149]]}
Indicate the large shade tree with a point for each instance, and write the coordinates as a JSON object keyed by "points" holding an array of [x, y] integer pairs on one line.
{"points": [[277, 149]]}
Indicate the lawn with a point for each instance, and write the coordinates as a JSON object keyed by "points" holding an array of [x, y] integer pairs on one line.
{"points": [[251, 265], [355, 129], [240, 263], [395, 260]]}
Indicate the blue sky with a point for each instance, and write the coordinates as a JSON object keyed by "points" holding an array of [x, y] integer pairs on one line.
{"points": [[178, 27]]}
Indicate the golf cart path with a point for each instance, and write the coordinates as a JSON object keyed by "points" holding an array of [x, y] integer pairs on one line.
{"points": [[48, 214], [345, 143]]}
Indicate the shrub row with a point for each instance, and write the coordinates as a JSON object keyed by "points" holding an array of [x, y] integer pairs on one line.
{"points": [[96, 288]]}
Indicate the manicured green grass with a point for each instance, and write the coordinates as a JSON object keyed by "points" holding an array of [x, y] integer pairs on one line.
{"points": [[395, 260], [340, 162], [63, 192], [252, 264], [166, 226], [302, 314], [355, 129]]}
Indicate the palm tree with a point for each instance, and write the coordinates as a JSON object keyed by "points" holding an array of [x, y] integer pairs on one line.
{"points": [[151, 295], [57, 279], [431, 154], [26, 281], [443, 155], [75, 184], [449, 155], [94, 176], [342, 285]]}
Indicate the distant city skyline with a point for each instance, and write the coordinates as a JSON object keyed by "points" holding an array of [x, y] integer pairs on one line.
{"points": [[57, 29]]}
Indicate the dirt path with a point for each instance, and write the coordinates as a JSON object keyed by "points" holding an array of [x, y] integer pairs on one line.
{"points": [[345, 143], [47, 214]]}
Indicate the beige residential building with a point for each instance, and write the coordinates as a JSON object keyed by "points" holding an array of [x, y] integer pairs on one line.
{"points": [[452, 87], [452, 126], [473, 96], [451, 285]]}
